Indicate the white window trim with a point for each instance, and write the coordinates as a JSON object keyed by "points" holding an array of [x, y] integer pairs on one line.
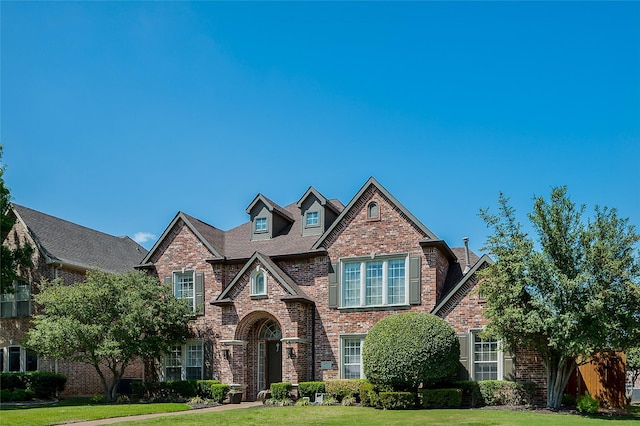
{"points": [[385, 278], [254, 276], [174, 277], [183, 360], [344, 337], [472, 358], [23, 359]]}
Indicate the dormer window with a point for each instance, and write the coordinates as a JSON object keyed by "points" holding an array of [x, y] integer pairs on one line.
{"points": [[261, 224], [313, 219], [373, 212]]}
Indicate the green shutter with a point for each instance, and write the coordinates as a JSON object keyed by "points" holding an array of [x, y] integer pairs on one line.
{"points": [[333, 285], [463, 367], [414, 280], [508, 366], [200, 293]]}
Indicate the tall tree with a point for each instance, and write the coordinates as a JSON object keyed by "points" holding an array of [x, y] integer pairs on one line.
{"points": [[108, 321], [570, 294], [12, 259]]}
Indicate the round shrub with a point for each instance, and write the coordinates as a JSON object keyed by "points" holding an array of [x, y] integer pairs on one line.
{"points": [[405, 350]]}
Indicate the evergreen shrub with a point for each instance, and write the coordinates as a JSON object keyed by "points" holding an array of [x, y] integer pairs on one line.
{"points": [[280, 391], [440, 398], [310, 389], [408, 349], [397, 400]]}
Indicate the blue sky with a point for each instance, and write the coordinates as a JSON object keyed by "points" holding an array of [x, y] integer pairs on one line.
{"points": [[116, 115]]}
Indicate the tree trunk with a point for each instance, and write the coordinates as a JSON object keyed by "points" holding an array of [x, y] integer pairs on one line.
{"points": [[559, 370]]}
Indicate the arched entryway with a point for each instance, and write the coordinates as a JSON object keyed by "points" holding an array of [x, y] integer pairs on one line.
{"points": [[269, 354], [262, 361]]}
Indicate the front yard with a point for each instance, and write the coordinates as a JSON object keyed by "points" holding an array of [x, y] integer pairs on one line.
{"points": [[78, 410]]}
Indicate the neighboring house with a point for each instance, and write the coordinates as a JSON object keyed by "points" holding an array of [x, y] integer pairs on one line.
{"points": [[291, 294], [62, 250]]}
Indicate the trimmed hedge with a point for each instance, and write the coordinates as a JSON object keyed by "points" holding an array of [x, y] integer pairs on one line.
{"points": [[310, 389], [397, 400], [219, 392], [440, 398], [41, 384], [204, 388], [471, 396], [343, 388], [408, 349], [504, 392], [280, 391]]}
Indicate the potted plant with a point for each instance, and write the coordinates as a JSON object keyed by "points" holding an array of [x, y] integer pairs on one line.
{"points": [[235, 397]]}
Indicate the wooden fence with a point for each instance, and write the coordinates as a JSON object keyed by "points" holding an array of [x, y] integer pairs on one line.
{"points": [[603, 377]]}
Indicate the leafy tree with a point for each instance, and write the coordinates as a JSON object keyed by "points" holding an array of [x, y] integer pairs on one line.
{"points": [[568, 295], [405, 350], [11, 259], [633, 364], [108, 321]]}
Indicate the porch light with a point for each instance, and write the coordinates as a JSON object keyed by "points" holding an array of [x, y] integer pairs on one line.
{"points": [[226, 354], [290, 352]]}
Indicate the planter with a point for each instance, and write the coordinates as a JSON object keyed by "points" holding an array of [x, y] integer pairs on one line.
{"points": [[235, 397]]}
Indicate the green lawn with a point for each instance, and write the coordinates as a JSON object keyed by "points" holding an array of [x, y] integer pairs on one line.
{"points": [[75, 410]]}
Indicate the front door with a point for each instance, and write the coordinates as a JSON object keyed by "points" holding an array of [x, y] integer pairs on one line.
{"points": [[274, 362]]}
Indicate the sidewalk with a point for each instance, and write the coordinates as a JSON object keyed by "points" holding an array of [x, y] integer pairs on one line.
{"points": [[115, 420]]}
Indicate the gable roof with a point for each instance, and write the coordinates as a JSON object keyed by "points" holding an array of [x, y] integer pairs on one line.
{"points": [[319, 196], [61, 241], [373, 182], [273, 207], [210, 236], [295, 292], [485, 259]]}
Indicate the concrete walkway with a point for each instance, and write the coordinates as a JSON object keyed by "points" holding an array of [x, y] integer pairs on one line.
{"points": [[115, 420]]}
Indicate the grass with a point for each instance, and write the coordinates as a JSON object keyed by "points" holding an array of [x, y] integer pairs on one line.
{"points": [[78, 410], [339, 415]]}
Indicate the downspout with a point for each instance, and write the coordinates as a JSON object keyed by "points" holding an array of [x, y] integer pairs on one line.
{"points": [[313, 342], [466, 255]]}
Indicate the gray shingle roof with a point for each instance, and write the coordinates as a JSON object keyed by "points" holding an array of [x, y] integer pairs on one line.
{"points": [[79, 246]]}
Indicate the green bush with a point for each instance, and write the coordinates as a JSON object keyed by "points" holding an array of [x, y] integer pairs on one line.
{"points": [[441, 398], [504, 392], [471, 395], [568, 400], [310, 389], [204, 388], [5, 395], [587, 404], [343, 388], [183, 388], [219, 392], [11, 381], [397, 400], [19, 395], [98, 399], [45, 384], [280, 391], [405, 350]]}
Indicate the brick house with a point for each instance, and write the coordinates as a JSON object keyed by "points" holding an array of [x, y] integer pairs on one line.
{"points": [[291, 294], [62, 250]]}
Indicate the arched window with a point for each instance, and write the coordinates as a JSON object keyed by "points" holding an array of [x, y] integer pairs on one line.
{"points": [[258, 283], [270, 330], [372, 210]]}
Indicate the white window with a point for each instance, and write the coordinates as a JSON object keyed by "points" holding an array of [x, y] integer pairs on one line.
{"points": [[258, 283], [313, 219], [486, 357], [18, 359], [351, 357], [261, 224], [18, 303], [374, 282], [184, 287], [184, 362]]}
